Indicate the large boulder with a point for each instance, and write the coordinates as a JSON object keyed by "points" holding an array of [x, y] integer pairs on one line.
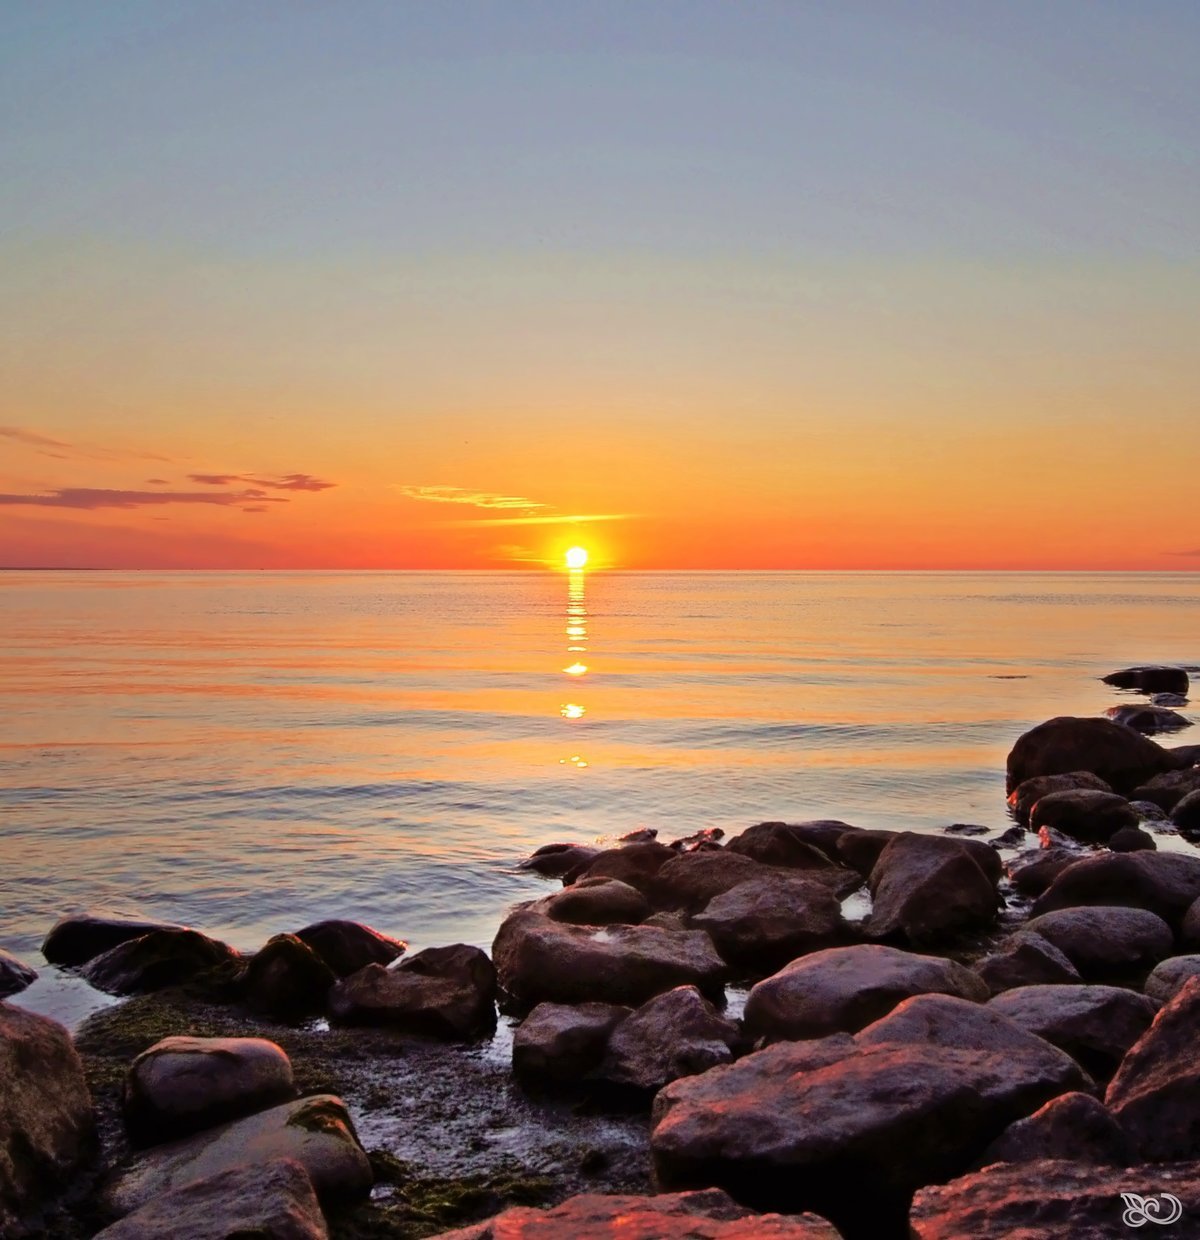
{"points": [[1095, 1025], [675, 1034], [47, 1128], [598, 902], [1154, 1092], [1148, 719], [1107, 943], [563, 1043], [797, 845], [80, 937], [15, 975], [286, 979], [1054, 1199], [1076, 1126], [763, 923], [183, 1085], [1026, 959], [844, 989], [693, 880], [635, 864], [157, 960], [1154, 679], [1166, 980], [347, 946], [447, 992], [861, 849], [316, 1132], [708, 1214], [1029, 792], [1166, 791], [266, 1201], [927, 889], [558, 860], [1084, 814], [1032, 872], [845, 1129], [1186, 815], [1163, 883], [1120, 756]]}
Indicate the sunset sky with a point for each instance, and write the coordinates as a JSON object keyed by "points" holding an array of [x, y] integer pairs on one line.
{"points": [[694, 285]]}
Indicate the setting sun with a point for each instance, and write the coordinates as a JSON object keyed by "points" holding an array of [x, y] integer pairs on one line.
{"points": [[577, 557]]}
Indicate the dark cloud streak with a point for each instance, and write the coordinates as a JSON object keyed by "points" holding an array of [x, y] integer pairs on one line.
{"points": [[91, 498], [283, 482]]}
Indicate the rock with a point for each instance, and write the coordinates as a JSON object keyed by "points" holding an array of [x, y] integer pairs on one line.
{"points": [[599, 902], [1168, 699], [1095, 1025], [1084, 814], [1011, 837], [1153, 1094], [1107, 943], [183, 1085], [539, 960], [635, 864], [1189, 927], [860, 850], [675, 1034], [1148, 811], [556, 860], [80, 937], [1026, 960], [800, 845], [47, 1129], [316, 1132], [1166, 791], [1187, 755], [287, 979], [1186, 814], [706, 837], [1073, 1126], [14, 975], [693, 880], [1164, 883], [1121, 757], [347, 946], [446, 992], [705, 1215], [156, 960], [763, 923], [1166, 980], [561, 1043], [1130, 839], [844, 1129], [966, 828], [1148, 719], [269, 1201], [1051, 1200], [844, 989], [642, 835], [1032, 874], [1149, 679], [1029, 792], [927, 889]]}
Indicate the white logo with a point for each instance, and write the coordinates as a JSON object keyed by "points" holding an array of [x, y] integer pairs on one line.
{"points": [[1163, 1209]]}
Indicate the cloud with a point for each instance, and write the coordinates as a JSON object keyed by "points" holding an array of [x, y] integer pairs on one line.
{"points": [[574, 518], [282, 482], [159, 482], [64, 450], [475, 499], [1186, 554], [90, 498]]}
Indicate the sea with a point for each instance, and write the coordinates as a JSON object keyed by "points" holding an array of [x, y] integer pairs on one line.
{"points": [[249, 752]]}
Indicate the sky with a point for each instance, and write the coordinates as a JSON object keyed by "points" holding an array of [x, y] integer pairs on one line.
{"points": [[804, 285]]}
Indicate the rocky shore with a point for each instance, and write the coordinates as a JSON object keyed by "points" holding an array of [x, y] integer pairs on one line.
{"points": [[811, 1029]]}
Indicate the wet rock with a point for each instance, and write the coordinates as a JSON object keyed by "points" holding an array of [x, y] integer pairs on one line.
{"points": [[1148, 719], [1189, 927], [1187, 755], [1026, 959], [1149, 679], [763, 923], [1168, 699], [1012, 837], [1166, 980], [347, 946], [844, 989], [445, 992], [926, 890], [316, 1132], [561, 1043], [183, 1085], [692, 881], [642, 835], [1084, 814], [556, 860], [800, 845], [1163, 883], [706, 837], [708, 1214], [1153, 1094], [843, 1129], [1131, 839], [1121, 757], [1148, 811], [675, 1034], [286, 979], [1166, 791], [14, 975], [1050, 1200], [1073, 1126], [47, 1130], [269, 1201], [156, 960], [1107, 943], [1095, 1025], [1032, 873], [635, 864], [1029, 792], [80, 937], [598, 902], [1186, 814], [542, 960], [860, 850]]}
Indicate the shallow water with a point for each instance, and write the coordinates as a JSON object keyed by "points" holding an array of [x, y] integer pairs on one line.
{"points": [[250, 752]]}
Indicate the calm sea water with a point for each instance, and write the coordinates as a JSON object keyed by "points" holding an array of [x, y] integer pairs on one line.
{"points": [[250, 752]]}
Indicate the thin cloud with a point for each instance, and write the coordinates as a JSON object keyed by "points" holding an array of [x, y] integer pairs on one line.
{"points": [[282, 482], [91, 498], [475, 499], [64, 450], [554, 519]]}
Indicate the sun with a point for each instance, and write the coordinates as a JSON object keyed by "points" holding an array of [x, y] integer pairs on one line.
{"points": [[577, 557]]}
